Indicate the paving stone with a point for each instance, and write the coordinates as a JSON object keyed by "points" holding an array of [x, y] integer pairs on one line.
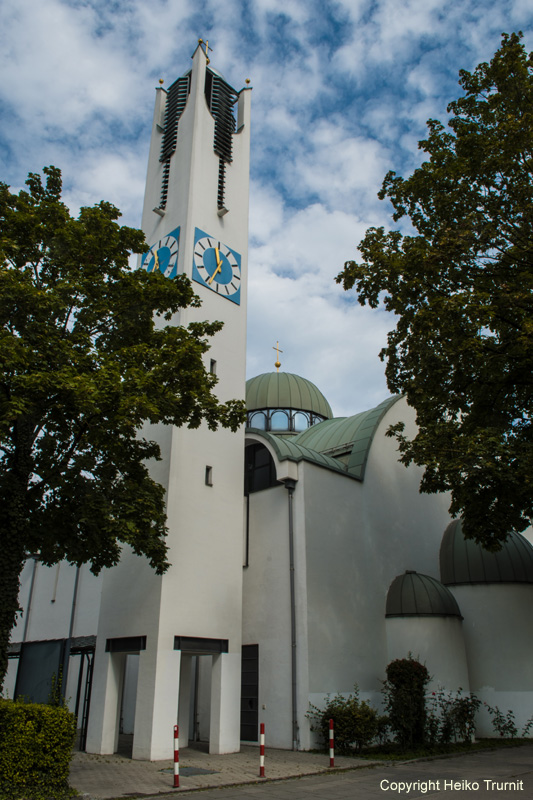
{"points": [[99, 777]]}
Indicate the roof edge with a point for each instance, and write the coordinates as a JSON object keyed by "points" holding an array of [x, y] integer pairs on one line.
{"points": [[286, 449]]}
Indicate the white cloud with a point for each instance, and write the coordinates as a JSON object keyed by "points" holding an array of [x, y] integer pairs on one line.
{"points": [[266, 212], [71, 73]]}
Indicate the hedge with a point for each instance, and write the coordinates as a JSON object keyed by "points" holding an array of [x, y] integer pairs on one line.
{"points": [[35, 751]]}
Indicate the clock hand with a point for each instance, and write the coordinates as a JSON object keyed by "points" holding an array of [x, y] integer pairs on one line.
{"points": [[156, 260], [219, 267]]}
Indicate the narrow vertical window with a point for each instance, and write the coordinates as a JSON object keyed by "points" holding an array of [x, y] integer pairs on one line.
{"points": [[213, 367], [209, 476]]}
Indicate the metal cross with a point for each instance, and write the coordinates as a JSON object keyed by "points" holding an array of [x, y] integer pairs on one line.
{"points": [[278, 351], [207, 48]]}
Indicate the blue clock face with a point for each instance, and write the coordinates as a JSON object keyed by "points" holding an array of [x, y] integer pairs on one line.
{"points": [[163, 255], [216, 266]]}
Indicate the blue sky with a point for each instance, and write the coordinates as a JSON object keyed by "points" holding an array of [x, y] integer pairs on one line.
{"points": [[342, 92]]}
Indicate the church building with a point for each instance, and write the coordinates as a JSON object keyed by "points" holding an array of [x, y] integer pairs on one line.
{"points": [[303, 557]]}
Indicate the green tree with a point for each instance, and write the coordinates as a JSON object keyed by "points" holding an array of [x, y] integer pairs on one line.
{"points": [[461, 284], [87, 356]]}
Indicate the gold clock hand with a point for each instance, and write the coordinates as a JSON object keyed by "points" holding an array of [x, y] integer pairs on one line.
{"points": [[156, 260], [219, 267]]}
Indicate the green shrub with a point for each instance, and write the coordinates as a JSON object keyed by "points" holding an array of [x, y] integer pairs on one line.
{"points": [[35, 750], [451, 716], [355, 721], [504, 724], [405, 701]]}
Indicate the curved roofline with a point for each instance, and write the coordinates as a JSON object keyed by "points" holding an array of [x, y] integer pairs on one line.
{"points": [[348, 435], [326, 435], [286, 449]]}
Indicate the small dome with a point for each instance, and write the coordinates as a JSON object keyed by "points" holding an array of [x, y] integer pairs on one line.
{"points": [[285, 390], [465, 561], [416, 595]]}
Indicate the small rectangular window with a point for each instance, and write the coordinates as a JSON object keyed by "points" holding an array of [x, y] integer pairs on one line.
{"points": [[209, 476], [213, 367]]}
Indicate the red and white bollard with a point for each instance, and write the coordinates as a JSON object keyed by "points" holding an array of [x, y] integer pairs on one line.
{"points": [[331, 745], [262, 750], [176, 757]]}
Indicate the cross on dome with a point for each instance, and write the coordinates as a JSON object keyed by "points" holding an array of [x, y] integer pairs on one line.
{"points": [[278, 351]]}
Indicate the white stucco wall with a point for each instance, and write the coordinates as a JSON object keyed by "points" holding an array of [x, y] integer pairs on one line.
{"points": [[498, 629], [8, 689], [360, 536], [266, 609], [437, 642], [53, 603]]}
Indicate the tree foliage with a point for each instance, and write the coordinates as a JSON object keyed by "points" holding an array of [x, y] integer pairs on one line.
{"points": [[461, 284], [87, 357]]}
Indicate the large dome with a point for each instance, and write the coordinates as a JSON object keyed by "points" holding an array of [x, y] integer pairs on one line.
{"points": [[285, 390], [464, 561], [284, 403]]}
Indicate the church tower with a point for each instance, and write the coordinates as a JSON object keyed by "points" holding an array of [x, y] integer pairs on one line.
{"points": [[195, 220]]}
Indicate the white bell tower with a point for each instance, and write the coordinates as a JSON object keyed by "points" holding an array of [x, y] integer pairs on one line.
{"points": [[195, 219]]}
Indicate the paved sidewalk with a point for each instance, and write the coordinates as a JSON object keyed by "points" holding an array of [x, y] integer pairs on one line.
{"points": [[98, 777]]}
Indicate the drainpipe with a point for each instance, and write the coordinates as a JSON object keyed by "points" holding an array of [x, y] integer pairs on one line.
{"points": [[68, 643], [74, 602], [290, 486], [27, 611]]}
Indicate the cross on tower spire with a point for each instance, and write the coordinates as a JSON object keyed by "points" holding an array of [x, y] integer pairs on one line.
{"points": [[207, 48]]}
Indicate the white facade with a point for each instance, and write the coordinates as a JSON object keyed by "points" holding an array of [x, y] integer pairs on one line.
{"points": [[294, 576], [200, 597], [351, 539]]}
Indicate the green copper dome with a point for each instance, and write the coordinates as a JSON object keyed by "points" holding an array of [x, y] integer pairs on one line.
{"points": [[415, 595], [285, 390], [464, 561]]}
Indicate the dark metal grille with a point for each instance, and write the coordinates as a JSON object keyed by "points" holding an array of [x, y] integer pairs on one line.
{"points": [[221, 98], [221, 182], [126, 644], [177, 95], [200, 645]]}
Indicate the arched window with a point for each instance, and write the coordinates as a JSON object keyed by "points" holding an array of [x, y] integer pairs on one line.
{"points": [[259, 469], [258, 420], [282, 420], [279, 421], [300, 421]]}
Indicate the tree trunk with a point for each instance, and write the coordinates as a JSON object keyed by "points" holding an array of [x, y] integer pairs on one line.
{"points": [[12, 558]]}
